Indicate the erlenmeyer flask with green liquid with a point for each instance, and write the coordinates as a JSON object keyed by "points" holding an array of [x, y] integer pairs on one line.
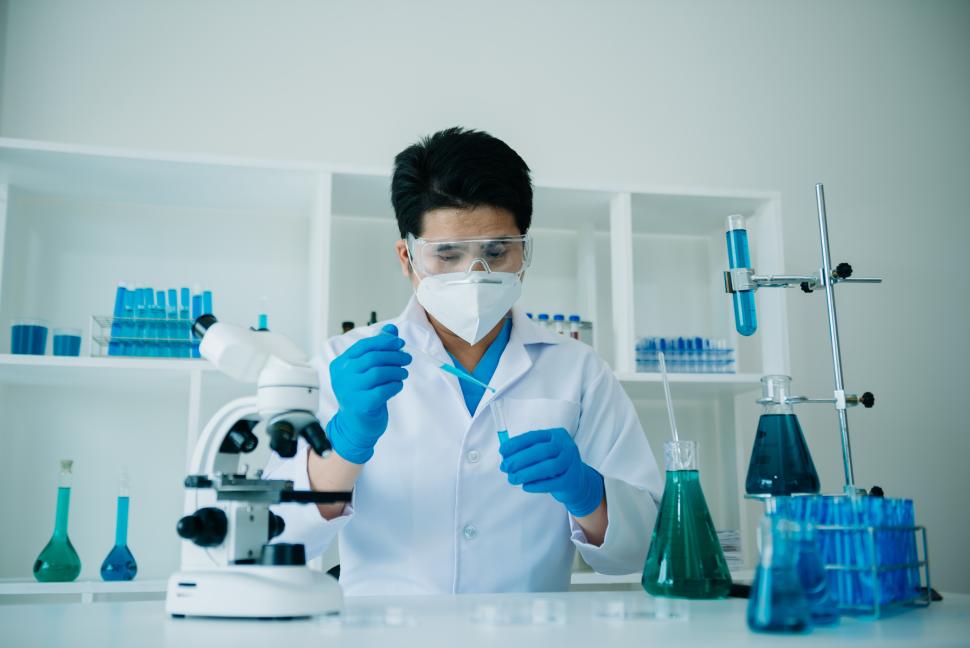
{"points": [[59, 562], [685, 559]]}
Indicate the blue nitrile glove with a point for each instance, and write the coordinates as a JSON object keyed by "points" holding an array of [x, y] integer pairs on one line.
{"points": [[548, 461], [364, 378]]}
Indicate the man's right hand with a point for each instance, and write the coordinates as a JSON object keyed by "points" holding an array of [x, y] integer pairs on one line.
{"points": [[364, 378]]}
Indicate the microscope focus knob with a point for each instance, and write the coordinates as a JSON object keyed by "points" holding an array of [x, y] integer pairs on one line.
{"points": [[282, 554], [843, 270], [206, 527], [867, 399], [276, 525]]}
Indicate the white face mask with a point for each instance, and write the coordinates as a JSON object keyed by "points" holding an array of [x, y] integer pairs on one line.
{"points": [[469, 304]]}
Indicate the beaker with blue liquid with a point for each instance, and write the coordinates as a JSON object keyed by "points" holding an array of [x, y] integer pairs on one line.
{"points": [[780, 461], [28, 336], [777, 602]]}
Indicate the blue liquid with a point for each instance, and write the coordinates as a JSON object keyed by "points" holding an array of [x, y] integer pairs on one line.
{"points": [[503, 436], [120, 563], [780, 461], [777, 603], [822, 605], [745, 319], [196, 313], [67, 345], [464, 375], [28, 339], [115, 348]]}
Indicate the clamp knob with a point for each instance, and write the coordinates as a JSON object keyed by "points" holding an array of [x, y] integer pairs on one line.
{"points": [[867, 399], [806, 287], [843, 270], [206, 527]]}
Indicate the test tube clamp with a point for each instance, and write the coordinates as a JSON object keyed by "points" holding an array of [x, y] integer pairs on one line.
{"points": [[827, 278]]}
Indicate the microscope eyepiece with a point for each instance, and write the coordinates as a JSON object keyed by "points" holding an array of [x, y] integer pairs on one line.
{"points": [[202, 324]]}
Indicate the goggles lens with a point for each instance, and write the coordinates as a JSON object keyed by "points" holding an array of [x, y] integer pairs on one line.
{"points": [[505, 254]]}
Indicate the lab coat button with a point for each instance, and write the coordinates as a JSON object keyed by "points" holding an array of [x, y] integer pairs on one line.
{"points": [[474, 456], [470, 532]]}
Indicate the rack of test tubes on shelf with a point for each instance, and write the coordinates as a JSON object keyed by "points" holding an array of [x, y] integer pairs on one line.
{"points": [[685, 355], [150, 323]]}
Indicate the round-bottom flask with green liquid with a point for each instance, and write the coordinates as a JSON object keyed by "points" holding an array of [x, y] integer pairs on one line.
{"points": [[59, 562], [685, 559]]}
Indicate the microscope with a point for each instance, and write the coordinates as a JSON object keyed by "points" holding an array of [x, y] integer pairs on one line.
{"points": [[229, 567]]}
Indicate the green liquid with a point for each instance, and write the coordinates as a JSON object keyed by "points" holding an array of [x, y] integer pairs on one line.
{"points": [[59, 562], [685, 558]]}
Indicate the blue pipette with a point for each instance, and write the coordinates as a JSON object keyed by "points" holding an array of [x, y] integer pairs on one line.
{"points": [[448, 368]]}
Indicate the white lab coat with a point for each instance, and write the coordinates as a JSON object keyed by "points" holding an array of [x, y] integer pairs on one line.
{"points": [[432, 513]]}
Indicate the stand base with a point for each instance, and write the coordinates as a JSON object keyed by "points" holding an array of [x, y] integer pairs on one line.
{"points": [[253, 592]]}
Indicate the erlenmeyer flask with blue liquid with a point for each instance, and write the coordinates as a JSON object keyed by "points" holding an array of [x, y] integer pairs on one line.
{"points": [[780, 461]]}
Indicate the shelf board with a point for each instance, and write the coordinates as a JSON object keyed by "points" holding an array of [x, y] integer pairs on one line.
{"points": [[118, 372], [650, 385], [22, 587], [96, 173]]}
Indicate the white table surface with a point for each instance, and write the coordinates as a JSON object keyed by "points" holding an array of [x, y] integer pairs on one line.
{"points": [[446, 621]]}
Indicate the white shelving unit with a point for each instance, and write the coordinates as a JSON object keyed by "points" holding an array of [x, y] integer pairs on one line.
{"points": [[74, 220]]}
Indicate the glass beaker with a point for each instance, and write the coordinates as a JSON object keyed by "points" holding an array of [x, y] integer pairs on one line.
{"points": [[777, 601], [59, 562], [780, 461], [685, 559], [120, 564], [822, 605]]}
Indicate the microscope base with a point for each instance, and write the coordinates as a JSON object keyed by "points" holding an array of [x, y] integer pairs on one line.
{"points": [[253, 592]]}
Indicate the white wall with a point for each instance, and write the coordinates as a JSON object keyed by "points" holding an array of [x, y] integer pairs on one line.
{"points": [[870, 97]]}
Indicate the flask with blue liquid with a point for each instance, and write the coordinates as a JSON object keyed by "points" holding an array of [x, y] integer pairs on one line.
{"points": [[777, 601], [119, 564], [780, 461]]}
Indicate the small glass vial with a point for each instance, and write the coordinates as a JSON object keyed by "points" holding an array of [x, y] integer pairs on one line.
{"points": [[574, 326], [559, 323]]}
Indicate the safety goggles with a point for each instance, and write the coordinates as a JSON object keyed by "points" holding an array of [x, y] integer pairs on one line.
{"points": [[503, 254]]}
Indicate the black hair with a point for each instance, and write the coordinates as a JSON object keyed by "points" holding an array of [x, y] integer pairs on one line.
{"points": [[461, 168]]}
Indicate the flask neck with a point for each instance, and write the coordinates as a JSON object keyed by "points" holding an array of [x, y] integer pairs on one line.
{"points": [[63, 508], [778, 408], [121, 524]]}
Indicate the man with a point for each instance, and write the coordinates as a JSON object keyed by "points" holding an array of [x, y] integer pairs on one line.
{"points": [[440, 505]]}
